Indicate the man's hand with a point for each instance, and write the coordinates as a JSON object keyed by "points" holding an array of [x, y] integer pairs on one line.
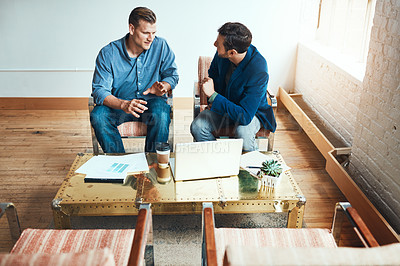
{"points": [[207, 86], [158, 88], [134, 107]]}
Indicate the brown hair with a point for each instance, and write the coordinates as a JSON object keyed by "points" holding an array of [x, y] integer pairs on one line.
{"points": [[141, 13], [237, 36]]}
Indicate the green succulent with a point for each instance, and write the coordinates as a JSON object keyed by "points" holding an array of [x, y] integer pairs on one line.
{"points": [[271, 168]]}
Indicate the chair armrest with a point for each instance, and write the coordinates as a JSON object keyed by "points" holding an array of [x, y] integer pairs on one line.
{"points": [[196, 90], [362, 228], [203, 96], [9, 209], [170, 100], [272, 100], [91, 104], [95, 143], [143, 231], [209, 250], [357, 222]]}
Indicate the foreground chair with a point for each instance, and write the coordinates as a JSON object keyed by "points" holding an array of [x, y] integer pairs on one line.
{"points": [[85, 247], [131, 130], [8, 209], [200, 103], [288, 246]]}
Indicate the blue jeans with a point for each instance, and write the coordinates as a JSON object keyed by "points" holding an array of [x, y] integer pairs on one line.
{"points": [[105, 121], [208, 121]]}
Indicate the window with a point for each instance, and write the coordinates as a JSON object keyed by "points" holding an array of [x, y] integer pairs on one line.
{"points": [[346, 26]]}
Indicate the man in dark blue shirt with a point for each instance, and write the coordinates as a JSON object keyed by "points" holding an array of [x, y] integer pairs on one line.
{"points": [[236, 89], [130, 82]]}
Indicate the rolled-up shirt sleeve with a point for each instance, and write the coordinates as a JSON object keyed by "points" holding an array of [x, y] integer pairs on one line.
{"points": [[168, 70], [102, 78]]}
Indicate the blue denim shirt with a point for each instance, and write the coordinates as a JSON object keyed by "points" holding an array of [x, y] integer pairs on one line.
{"points": [[127, 78]]}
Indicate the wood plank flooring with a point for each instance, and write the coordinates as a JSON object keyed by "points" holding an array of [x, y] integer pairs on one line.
{"points": [[37, 148]]}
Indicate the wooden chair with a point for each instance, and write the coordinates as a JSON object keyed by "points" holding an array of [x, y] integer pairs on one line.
{"points": [[132, 130], [8, 209], [289, 246], [200, 103], [85, 247]]}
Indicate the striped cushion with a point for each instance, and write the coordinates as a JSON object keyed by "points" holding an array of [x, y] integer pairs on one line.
{"points": [[271, 237], [98, 257], [130, 129], [66, 241], [384, 255]]}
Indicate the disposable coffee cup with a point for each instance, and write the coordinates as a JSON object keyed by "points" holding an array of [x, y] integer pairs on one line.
{"points": [[163, 151], [163, 173]]}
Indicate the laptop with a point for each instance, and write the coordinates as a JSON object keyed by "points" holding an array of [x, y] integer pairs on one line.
{"points": [[208, 159]]}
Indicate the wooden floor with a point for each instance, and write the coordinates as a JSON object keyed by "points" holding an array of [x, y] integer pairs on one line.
{"points": [[37, 148]]}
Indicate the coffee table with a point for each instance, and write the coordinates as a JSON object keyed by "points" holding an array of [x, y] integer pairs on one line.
{"points": [[234, 194]]}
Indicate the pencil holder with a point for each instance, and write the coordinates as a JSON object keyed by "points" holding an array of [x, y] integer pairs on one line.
{"points": [[270, 181]]}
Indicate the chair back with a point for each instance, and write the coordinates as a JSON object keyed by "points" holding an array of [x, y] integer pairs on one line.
{"points": [[203, 67]]}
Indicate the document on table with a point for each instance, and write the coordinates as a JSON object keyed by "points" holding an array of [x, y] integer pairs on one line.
{"points": [[113, 168], [252, 161]]}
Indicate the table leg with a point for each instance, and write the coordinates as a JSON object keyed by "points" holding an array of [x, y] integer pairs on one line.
{"points": [[61, 220], [295, 216]]}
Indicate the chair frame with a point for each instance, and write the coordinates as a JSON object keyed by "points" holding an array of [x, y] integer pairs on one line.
{"points": [[95, 142], [9, 209], [142, 245], [200, 103], [342, 209]]}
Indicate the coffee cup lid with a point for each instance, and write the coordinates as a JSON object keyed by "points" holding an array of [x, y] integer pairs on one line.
{"points": [[162, 146]]}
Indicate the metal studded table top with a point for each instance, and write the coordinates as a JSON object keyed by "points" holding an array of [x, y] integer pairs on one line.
{"points": [[241, 190]]}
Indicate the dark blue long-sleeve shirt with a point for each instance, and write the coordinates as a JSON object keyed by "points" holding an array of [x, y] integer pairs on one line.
{"points": [[245, 95]]}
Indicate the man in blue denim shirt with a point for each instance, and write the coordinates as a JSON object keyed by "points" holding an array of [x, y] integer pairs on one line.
{"points": [[130, 82]]}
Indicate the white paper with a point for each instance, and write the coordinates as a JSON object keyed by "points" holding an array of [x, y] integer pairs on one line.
{"points": [[256, 158], [114, 166]]}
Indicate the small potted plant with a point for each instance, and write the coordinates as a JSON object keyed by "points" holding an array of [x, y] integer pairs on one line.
{"points": [[270, 173]]}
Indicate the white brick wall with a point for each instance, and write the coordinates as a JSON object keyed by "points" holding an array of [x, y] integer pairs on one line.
{"points": [[330, 91], [367, 114], [375, 161]]}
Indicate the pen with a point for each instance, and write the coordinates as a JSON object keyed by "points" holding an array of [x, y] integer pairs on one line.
{"points": [[253, 167]]}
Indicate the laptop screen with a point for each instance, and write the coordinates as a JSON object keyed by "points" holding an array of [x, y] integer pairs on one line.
{"points": [[208, 159]]}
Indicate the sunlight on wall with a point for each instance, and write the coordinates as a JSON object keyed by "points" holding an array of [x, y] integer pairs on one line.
{"points": [[52, 45]]}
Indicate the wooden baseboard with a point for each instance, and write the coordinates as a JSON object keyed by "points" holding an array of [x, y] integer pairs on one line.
{"points": [[313, 132], [377, 224], [43, 103], [66, 103]]}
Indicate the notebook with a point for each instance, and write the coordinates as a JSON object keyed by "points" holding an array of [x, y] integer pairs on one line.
{"points": [[113, 168], [208, 159]]}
